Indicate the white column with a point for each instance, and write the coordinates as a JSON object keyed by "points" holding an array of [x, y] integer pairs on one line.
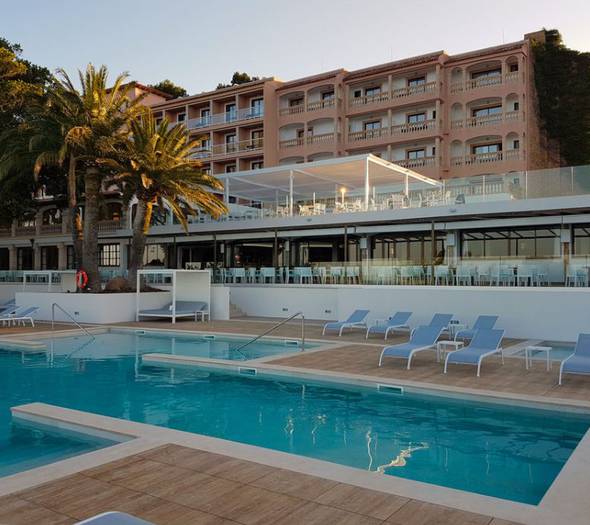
{"points": [[407, 186], [291, 193], [367, 188], [226, 191]]}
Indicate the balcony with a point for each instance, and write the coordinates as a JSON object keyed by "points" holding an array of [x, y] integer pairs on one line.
{"points": [[413, 127], [235, 148], [292, 110], [21, 231], [48, 229], [483, 82], [5, 231], [409, 91], [369, 99], [416, 163], [321, 104], [401, 130], [367, 134], [487, 120], [225, 118], [323, 138], [109, 226], [485, 158]]}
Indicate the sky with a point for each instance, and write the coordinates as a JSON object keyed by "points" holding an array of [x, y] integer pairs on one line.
{"points": [[198, 44]]}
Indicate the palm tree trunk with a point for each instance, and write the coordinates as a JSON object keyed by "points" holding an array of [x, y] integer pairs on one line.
{"points": [[90, 244], [141, 227], [76, 220]]}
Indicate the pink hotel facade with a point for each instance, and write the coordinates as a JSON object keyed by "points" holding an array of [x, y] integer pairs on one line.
{"points": [[440, 115]]}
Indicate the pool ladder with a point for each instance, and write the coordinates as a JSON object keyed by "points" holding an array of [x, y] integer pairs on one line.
{"points": [[272, 329]]}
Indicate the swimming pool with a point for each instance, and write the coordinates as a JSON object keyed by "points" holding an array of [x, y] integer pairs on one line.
{"points": [[23, 446], [498, 450], [115, 343]]}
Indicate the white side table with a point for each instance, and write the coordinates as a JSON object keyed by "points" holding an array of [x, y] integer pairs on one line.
{"points": [[202, 315], [443, 347], [528, 363]]}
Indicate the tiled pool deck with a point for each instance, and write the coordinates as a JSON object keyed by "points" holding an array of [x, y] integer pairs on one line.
{"points": [[173, 484]]}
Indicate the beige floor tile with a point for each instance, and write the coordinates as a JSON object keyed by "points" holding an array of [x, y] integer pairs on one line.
{"points": [[14, 511], [294, 484], [316, 514], [362, 501], [420, 513]]}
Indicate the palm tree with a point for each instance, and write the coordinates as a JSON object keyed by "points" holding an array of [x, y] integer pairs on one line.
{"points": [[157, 169], [103, 126]]}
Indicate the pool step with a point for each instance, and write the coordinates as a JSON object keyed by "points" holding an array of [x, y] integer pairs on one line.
{"points": [[247, 371], [390, 389]]}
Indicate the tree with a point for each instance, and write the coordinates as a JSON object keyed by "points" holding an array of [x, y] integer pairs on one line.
{"points": [[167, 86], [104, 122], [156, 169], [562, 79], [238, 78]]}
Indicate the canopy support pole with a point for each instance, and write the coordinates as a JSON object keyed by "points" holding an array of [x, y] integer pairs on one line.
{"points": [[367, 188], [291, 193]]}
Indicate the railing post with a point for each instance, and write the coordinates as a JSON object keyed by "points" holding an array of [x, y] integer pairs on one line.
{"points": [[302, 332]]}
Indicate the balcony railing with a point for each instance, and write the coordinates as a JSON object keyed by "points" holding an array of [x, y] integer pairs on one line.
{"points": [[486, 120], [402, 129], [482, 82], [321, 104], [5, 231], [485, 158], [225, 118], [369, 99], [323, 138], [25, 230], [418, 89], [51, 228], [109, 226], [423, 162], [237, 147], [292, 110]]}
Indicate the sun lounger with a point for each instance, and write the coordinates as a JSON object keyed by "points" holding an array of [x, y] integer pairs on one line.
{"points": [[398, 321], [183, 309], [579, 361], [484, 343], [422, 338], [19, 315], [355, 320], [483, 322], [114, 518]]}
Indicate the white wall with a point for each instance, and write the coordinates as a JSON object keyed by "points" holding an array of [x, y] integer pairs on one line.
{"points": [[91, 308], [8, 290], [220, 297], [535, 313]]}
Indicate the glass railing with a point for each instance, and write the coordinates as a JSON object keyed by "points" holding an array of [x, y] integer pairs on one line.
{"points": [[507, 271]]}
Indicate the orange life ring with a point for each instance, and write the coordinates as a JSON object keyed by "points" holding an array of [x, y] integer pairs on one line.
{"points": [[81, 279]]}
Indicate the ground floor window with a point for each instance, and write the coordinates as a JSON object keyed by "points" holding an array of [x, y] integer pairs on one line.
{"points": [[109, 255], [49, 258], [155, 255], [4, 259], [581, 240], [529, 243], [24, 258]]}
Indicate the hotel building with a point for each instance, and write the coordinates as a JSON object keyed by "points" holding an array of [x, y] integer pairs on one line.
{"points": [[398, 173]]}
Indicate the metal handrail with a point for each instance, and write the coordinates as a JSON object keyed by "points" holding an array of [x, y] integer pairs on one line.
{"points": [[271, 329], [70, 316]]}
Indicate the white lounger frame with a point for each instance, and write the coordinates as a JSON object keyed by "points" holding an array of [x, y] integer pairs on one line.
{"points": [[481, 357], [389, 328], [409, 358], [362, 325]]}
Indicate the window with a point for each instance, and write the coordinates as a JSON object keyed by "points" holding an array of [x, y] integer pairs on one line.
{"points": [[206, 144], [205, 113], [414, 118], [300, 133], [4, 259], [257, 107], [256, 165], [486, 112], [181, 117], [158, 121], [70, 263], [49, 257], [256, 138], [24, 258], [372, 124], [207, 171], [296, 102], [482, 149], [531, 243], [485, 74], [516, 144], [230, 168], [513, 68], [416, 81], [357, 93], [230, 143], [230, 112], [109, 255], [414, 154], [516, 106], [328, 95], [154, 255], [372, 91]]}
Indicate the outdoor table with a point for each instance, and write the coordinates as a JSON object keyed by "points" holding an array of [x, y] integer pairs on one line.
{"points": [[444, 347], [528, 355]]}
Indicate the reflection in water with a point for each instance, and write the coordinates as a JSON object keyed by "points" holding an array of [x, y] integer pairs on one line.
{"points": [[400, 459]]}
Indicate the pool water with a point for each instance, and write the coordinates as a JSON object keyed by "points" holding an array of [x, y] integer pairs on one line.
{"points": [[492, 449], [117, 342], [23, 446]]}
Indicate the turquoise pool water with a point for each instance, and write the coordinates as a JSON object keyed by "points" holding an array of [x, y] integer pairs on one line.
{"points": [[504, 451], [23, 446], [116, 342]]}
